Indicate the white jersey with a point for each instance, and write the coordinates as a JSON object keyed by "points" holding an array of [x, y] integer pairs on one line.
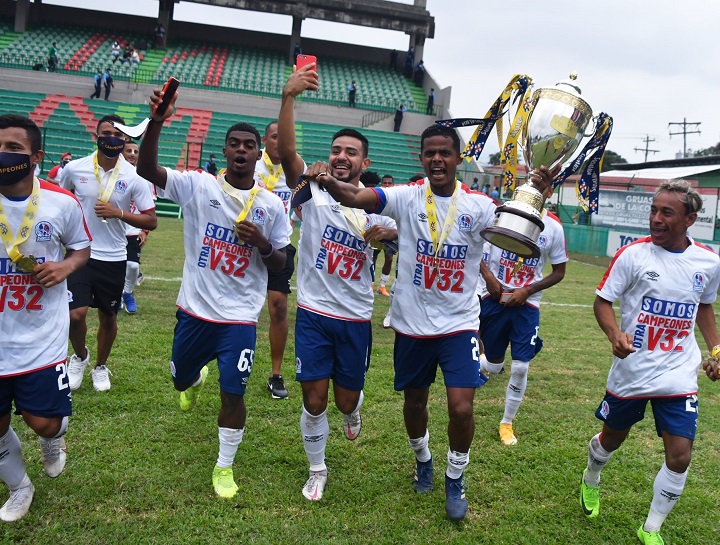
{"points": [[430, 301], [224, 279], [281, 189], [109, 242], [34, 321], [131, 231], [660, 293], [502, 262], [333, 272]]}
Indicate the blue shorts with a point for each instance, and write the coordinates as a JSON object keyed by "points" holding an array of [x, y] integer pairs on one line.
{"points": [[45, 392], [417, 360], [332, 348], [196, 342], [675, 415], [501, 326]]}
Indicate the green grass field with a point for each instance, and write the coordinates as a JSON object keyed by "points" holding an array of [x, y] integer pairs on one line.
{"points": [[139, 470]]}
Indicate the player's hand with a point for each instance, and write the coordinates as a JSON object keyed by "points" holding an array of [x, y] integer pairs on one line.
{"points": [[142, 238], [320, 172], [155, 100], [622, 345], [711, 368], [51, 273], [106, 210], [379, 232], [517, 297], [302, 79], [542, 177], [250, 233]]}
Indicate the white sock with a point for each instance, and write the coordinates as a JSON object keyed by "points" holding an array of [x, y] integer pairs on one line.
{"points": [[494, 368], [667, 490], [515, 389], [597, 458], [12, 467], [61, 432], [457, 462], [420, 446], [315, 431], [132, 270], [229, 441], [198, 381], [384, 279], [484, 364], [359, 403]]}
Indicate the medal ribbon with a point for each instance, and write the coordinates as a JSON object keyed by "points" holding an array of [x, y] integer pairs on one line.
{"points": [[518, 85], [11, 242], [439, 238], [235, 194], [271, 179], [355, 222], [107, 189], [589, 163]]}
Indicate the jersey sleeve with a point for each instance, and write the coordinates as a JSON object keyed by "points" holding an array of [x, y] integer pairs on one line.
{"points": [[618, 277], [142, 194], [558, 252], [66, 179], [709, 294], [281, 225], [75, 236]]}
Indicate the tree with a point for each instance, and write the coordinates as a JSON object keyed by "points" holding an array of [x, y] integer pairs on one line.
{"points": [[611, 158], [713, 150], [494, 159]]}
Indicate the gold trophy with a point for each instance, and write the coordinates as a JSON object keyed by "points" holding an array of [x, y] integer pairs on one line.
{"points": [[554, 129]]}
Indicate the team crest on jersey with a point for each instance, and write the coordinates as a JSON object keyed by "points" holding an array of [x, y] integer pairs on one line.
{"points": [[259, 216], [542, 241], [465, 222], [604, 409], [121, 186], [698, 281], [43, 231]]}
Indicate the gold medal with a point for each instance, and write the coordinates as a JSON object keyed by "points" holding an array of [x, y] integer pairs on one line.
{"points": [[26, 263]]}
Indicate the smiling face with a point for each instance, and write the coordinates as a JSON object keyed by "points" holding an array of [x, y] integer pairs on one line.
{"points": [[347, 160], [669, 221], [241, 152], [440, 160], [130, 152]]}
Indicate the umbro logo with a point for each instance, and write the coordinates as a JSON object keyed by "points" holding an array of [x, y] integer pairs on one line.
{"points": [[214, 203], [422, 216], [652, 276]]}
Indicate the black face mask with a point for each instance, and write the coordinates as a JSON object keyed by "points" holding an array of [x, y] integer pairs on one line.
{"points": [[64, 163], [110, 146], [14, 167]]}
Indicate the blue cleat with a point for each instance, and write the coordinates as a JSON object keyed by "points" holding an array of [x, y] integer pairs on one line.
{"points": [[456, 504], [423, 476]]}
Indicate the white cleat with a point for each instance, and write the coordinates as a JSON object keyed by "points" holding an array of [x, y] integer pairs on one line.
{"points": [[315, 485]]}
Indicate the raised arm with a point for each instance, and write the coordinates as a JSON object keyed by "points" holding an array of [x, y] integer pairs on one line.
{"points": [[147, 165], [304, 79]]}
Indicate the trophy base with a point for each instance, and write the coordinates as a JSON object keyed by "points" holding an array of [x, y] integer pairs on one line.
{"points": [[515, 231]]}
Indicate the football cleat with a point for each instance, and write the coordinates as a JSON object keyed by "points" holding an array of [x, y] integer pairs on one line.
{"points": [[589, 498], [315, 485]]}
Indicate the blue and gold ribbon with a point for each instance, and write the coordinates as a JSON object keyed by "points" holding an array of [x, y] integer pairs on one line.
{"points": [[589, 163]]}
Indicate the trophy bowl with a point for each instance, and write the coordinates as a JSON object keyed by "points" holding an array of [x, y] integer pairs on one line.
{"points": [[555, 127]]}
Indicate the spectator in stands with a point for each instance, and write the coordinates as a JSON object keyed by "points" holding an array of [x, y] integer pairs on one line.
{"points": [[97, 81], [399, 112], [393, 59], [54, 174], [297, 51], [409, 62], [127, 54], [352, 89], [211, 165], [115, 52], [430, 109], [108, 83], [52, 58], [159, 36], [419, 75], [475, 185], [135, 58]]}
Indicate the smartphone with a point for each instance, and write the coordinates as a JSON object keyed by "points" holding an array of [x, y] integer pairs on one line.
{"points": [[505, 297], [304, 60], [171, 85]]}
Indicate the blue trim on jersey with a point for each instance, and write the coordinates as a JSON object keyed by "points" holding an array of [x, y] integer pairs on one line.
{"points": [[382, 201], [17, 199]]}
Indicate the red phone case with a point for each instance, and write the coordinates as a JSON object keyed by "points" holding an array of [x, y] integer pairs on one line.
{"points": [[304, 60], [171, 85]]}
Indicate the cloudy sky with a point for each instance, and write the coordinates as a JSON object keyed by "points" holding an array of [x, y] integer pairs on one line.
{"points": [[647, 63]]}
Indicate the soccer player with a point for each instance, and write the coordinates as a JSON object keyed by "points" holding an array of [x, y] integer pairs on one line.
{"points": [[435, 309], [272, 177], [136, 239], [510, 310], [34, 319], [667, 283], [105, 184], [234, 231], [333, 334]]}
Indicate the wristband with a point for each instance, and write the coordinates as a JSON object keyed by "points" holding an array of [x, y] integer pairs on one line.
{"points": [[272, 249], [715, 352], [121, 214]]}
